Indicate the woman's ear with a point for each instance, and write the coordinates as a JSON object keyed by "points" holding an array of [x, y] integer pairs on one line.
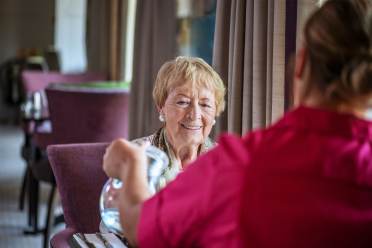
{"points": [[298, 83], [158, 108], [300, 63], [161, 114]]}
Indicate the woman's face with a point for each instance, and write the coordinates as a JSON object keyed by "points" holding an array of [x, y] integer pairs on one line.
{"points": [[189, 114]]}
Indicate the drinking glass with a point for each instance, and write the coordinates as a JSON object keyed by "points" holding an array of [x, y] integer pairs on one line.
{"points": [[109, 199]]}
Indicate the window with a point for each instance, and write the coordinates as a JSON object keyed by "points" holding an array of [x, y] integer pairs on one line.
{"points": [[196, 23], [70, 34], [128, 39]]}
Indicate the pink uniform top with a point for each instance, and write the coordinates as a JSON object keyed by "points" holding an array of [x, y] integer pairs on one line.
{"points": [[304, 182]]}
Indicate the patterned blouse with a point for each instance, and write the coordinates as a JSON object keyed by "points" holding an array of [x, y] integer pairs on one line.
{"points": [[159, 140]]}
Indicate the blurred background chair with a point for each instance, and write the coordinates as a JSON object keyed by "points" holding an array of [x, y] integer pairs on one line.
{"points": [[35, 117], [35, 110], [38, 80], [80, 178], [77, 115], [11, 88], [80, 115], [35, 120]]}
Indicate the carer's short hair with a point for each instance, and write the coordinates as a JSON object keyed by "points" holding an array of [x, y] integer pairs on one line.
{"points": [[190, 70]]}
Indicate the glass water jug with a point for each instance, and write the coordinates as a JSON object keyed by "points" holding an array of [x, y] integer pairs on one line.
{"points": [[157, 163]]}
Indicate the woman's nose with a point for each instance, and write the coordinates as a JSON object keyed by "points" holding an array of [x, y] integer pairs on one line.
{"points": [[195, 112]]}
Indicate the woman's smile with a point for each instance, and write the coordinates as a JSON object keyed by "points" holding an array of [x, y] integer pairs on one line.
{"points": [[191, 127]]}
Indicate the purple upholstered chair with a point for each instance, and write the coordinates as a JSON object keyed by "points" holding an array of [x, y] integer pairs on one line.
{"points": [[36, 81], [80, 178], [79, 115], [82, 115]]}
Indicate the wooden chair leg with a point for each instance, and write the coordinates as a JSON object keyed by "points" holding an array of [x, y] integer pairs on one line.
{"points": [[22, 194], [33, 209], [27, 154]]}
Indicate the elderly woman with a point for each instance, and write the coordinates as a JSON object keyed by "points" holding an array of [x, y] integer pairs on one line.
{"points": [[189, 95]]}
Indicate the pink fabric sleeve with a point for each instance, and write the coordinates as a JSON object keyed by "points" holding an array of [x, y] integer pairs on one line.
{"points": [[170, 216], [177, 215]]}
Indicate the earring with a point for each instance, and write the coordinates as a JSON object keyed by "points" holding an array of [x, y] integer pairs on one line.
{"points": [[161, 118], [213, 122]]}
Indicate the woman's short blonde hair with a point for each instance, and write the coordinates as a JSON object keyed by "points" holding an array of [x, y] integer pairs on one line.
{"points": [[188, 70]]}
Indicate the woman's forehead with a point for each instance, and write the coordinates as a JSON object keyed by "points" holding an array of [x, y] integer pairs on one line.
{"points": [[191, 89]]}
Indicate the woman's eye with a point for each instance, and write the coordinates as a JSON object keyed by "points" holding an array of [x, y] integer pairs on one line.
{"points": [[205, 105], [183, 103]]}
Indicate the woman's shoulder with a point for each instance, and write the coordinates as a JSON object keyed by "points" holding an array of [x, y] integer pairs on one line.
{"points": [[153, 139], [208, 144], [142, 140]]}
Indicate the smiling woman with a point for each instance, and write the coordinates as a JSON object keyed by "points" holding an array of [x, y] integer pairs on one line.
{"points": [[189, 95]]}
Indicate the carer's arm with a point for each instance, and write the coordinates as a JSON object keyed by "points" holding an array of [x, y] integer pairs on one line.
{"points": [[127, 161]]}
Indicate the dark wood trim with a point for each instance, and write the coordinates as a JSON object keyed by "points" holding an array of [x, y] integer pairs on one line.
{"points": [[290, 50]]}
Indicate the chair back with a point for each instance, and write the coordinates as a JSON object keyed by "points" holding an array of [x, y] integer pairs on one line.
{"points": [[37, 80], [80, 178], [89, 115]]}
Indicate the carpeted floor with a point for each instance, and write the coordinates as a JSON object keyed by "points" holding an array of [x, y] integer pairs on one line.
{"points": [[12, 220]]}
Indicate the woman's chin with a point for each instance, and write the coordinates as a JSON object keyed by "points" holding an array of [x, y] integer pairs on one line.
{"points": [[193, 140]]}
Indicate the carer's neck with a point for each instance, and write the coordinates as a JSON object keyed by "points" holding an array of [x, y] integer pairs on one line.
{"points": [[318, 101]]}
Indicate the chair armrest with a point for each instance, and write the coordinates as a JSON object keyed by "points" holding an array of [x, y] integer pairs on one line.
{"points": [[61, 239]]}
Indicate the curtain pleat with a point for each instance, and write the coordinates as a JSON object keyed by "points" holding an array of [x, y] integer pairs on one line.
{"points": [[251, 62], [221, 55], [279, 59], [247, 97], [97, 35]]}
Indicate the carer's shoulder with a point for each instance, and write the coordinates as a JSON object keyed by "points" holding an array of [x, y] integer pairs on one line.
{"points": [[238, 149]]}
